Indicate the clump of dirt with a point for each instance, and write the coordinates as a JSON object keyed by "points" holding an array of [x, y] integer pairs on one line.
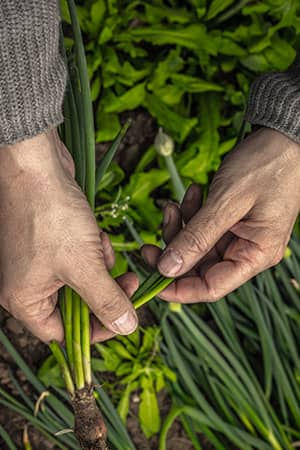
{"points": [[90, 428]]}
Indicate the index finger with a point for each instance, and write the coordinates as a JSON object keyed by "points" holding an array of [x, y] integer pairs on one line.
{"points": [[199, 235], [246, 261]]}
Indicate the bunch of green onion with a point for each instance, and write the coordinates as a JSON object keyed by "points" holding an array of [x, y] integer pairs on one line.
{"points": [[79, 137]]}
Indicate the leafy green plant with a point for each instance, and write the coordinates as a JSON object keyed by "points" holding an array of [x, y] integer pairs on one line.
{"points": [[181, 60], [136, 362]]}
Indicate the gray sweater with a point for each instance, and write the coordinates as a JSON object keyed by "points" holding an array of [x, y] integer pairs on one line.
{"points": [[32, 72], [33, 77]]}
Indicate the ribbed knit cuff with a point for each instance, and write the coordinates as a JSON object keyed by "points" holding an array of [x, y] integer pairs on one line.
{"points": [[274, 101], [32, 72]]}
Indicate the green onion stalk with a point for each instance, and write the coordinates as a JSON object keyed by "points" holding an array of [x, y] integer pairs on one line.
{"points": [[74, 358]]}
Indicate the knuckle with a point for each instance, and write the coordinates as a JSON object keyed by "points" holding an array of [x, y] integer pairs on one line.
{"points": [[214, 294], [278, 256], [195, 241], [110, 307]]}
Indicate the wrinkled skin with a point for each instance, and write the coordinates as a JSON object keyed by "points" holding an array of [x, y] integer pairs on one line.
{"points": [[49, 238], [242, 229]]}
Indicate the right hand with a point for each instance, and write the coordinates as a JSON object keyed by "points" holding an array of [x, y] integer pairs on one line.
{"points": [[49, 238]]}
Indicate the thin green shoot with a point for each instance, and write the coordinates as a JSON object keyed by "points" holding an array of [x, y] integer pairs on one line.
{"points": [[109, 155]]}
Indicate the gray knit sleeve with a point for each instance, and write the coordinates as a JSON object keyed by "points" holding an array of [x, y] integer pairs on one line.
{"points": [[32, 72], [274, 101]]}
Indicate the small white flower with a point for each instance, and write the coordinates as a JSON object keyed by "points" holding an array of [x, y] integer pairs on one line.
{"points": [[163, 143]]}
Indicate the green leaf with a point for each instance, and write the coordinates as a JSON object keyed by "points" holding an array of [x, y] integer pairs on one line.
{"points": [[280, 54], [139, 190], [98, 365], [194, 85], [64, 11], [94, 61], [216, 7], [125, 73], [50, 374], [98, 10], [149, 415], [257, 63], [120, 266], [135, 338], [155, 14], [123, 406], [119, 349], [159, 380], [168, 373], [108, 126], [150, 336], [112, 177], [124, 369], [177, 126], [171, 64], [202, 156], [194, 37], [95, 88], [228, 47], [226, 146], [130, 99], [142, 184], [111, 359], [108, 28]]}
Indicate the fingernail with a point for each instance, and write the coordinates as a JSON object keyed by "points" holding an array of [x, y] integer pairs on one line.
{"points": [[125, 324], [170, 262]]}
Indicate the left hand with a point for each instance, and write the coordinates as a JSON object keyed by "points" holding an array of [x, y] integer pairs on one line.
{"points": [[244, 226]]}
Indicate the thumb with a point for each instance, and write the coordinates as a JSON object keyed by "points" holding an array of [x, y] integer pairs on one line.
{"points": [[197, 238], [105, 298], [41, 318]]}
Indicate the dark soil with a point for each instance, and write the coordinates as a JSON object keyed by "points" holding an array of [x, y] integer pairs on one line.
{"points": [[139, 137], [90, 428]]}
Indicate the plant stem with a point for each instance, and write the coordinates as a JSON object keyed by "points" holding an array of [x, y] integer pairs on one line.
{"points": [[133, 231], [86, 343], [74, 97], [60, 358], [108, 157], [171, 417], [141, 300], [68, 326], [82, 321], [178, 186], [77, 355], [87, 108]]}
